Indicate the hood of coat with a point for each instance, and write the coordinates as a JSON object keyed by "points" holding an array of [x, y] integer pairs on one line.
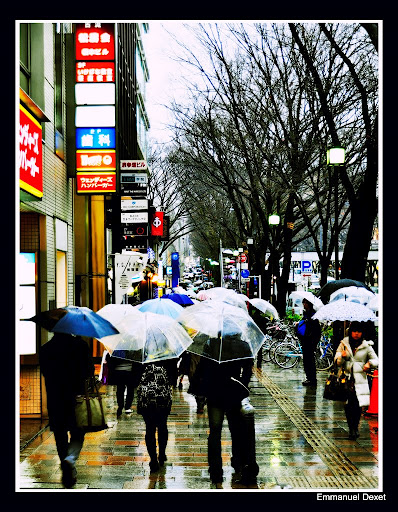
{"points": [[365, 343]]}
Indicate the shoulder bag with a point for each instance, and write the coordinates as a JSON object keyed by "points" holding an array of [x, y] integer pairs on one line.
{"points": [[338, 385], [89, 408]]}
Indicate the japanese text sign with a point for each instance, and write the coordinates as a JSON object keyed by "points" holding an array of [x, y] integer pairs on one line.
{"points": [[157, 224], [133, 164], [30, 153], [95, 138], [96, 160], [95, 72], [96, 182], [95, 41]]}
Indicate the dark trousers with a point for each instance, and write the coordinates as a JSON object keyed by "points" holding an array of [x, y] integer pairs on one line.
{"points": [[69, 448], [353, 411], [156, 420], [308, 347], [238, 430], [124, 382]]}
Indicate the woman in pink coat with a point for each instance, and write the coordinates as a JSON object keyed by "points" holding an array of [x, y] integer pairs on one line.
{"points": [[356, 356]]}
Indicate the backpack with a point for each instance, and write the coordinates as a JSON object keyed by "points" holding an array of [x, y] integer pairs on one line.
{"points": [[154, 390]]}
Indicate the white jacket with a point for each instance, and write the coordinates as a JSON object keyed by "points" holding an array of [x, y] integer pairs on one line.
{"points": [[356, 362]]}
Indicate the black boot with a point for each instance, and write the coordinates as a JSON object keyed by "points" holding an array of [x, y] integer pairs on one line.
{"points": [[350, 422], [151, 448]]}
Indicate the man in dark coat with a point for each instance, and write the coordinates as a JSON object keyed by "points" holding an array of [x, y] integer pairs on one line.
{"points": [[65, 362], [224, 395], [309, 342]]}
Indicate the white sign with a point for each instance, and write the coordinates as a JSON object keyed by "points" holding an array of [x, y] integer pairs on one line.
{"points": [[126, 165], [128, 271], [131, 218], [128, 203]]}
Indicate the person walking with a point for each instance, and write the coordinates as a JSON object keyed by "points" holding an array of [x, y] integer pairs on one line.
{"points": [[308, 332], [356, 356], [154, 400], [125, 374], [65, 362], [225, 385]]}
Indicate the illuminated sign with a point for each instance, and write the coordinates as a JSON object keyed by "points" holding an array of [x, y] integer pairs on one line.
{"points": [[95, 72], [96, 160], [95, 138], [93, 115], [136, 229], [96, 182], [95, 94], [30, 155], [95, 41], [133, 178], [133, 164]]}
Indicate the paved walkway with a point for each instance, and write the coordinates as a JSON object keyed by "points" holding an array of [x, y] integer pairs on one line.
{"points": [[301, 443]]}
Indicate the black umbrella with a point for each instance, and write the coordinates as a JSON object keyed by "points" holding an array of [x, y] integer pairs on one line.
{"points": [[326, 291]]}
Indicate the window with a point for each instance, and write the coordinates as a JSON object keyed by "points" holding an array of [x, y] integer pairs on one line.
{"points": [[24, 56]]}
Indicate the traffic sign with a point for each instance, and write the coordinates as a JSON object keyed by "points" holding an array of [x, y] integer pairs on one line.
{"points": [[243, 258], [245, 273]]}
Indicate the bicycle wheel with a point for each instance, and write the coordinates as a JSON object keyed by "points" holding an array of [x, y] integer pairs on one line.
{"points": [[287, 355], [266, 346], [274, 345], [323, 357]]}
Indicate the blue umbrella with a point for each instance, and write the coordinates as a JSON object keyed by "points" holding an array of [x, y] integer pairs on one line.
{"points": [[80, 321], [179, 298], [161, 307]]}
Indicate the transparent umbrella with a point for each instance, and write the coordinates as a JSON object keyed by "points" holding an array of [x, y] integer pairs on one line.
{"points": [[315, 301], [148, 337], [114, 313], [265, 307], [352, 294], [221, 332]]}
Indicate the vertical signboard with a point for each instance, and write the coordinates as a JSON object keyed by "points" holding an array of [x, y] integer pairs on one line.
{"points": [[95, 115], [30, 153], [26, 303]]}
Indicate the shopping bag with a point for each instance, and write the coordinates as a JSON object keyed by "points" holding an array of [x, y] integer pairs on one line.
{"points": [[89, 408]]}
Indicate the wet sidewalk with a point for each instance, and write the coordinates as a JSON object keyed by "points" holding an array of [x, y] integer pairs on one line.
{"points": [[301, 443]]}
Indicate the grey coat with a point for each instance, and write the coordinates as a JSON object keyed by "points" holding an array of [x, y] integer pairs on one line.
{"points": [[355, 362]]}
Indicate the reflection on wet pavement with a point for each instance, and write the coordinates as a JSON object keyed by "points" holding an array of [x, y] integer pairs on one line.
{"points": [[301, 443]]}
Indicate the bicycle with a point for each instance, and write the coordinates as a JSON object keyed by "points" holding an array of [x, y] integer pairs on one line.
{"points": [[324, 354], [288, 355]]}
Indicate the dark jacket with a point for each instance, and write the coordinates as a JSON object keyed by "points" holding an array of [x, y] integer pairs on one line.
{"points": [[116, 375], [65, 362], [213, 380], [312, 330]]}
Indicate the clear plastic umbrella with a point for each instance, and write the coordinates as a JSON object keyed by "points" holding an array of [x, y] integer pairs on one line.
{"points": [[265, 307], [315, 301], [344, 311], [352, 294], [373, 304], [114, 313], [147, 338], [221, 332]]}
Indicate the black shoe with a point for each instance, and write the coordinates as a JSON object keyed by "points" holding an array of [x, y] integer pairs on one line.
{"points": [[162, 459], [216, 477], [69, 473], [309, 383], [119, 412], [154, 466]]}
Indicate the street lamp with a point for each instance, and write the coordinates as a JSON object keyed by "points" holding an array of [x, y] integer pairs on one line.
{"points": [[273, 220], [335, 157]]}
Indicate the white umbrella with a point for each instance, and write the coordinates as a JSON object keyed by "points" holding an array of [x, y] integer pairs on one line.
{"points": [[264, 306], [373, 304], [352, 294], [114, 313], [315, 301], [344, 311]]}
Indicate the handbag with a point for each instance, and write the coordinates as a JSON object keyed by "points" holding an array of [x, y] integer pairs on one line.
{"points": [[301, 326], [338, 385], [89, 408]]}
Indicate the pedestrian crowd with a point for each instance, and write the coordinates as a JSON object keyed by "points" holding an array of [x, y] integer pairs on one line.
{"points": [[224, 388]]}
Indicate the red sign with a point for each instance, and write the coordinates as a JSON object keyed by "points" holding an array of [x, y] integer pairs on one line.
{"points": [[30, 154], [243, 258], [96, 160], [95, 41], [157, 224], [96, 182], [95, 72]]}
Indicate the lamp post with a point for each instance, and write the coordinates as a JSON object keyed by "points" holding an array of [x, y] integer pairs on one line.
{"points": [[335, 157], [273, 220]]}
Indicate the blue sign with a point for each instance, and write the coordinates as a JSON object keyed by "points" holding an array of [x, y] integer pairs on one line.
{"points": [[306, 266], [245, 273], [95, 138]]}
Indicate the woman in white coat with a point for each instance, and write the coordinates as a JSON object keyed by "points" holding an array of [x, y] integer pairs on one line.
{"points": [[356, 356]]}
